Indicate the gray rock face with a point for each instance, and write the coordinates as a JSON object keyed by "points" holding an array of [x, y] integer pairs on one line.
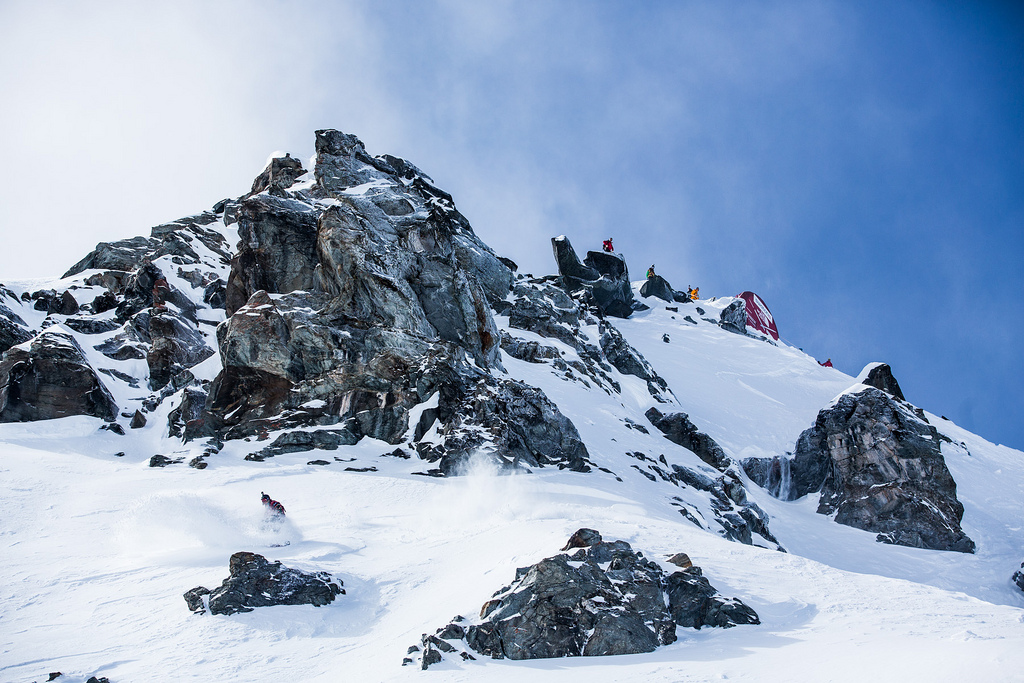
{"points": [[176, 345], [678, 429], [659, 287], [256, 582], [276, 248], [880, 376], [51, 379], [879, 468], [1018, 577], [605, 599]]}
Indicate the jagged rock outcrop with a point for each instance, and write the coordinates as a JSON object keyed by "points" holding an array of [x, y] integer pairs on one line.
{"points": [[602, 278], [678, 429], [280, 174], [256, 582], [879, 375], [1018, 577], [878, 467], [657, 286], [510, 422], [49, 379], [604, 599]]}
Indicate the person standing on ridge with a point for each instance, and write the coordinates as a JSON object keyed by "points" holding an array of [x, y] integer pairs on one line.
{"points": [[695, 294], [650, 272], [607, 245], [273, 507]]}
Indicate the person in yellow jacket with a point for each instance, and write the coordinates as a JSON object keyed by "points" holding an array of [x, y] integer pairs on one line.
{"points": [[695, 294]]}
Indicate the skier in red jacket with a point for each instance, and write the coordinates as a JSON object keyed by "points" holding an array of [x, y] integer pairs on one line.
{"points": [[273, 507], [607, 245], [826, 364]]}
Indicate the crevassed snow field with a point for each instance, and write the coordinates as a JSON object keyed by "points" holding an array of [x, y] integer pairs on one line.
{"points": [[97, 549]]}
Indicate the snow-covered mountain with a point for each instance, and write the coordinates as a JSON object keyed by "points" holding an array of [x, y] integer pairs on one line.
{"points": [[437, 425]]}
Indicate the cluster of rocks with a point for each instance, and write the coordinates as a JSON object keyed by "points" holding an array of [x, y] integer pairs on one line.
{"points": [[603, 599], [537, 305], [138, 314], [255, 582], [601, 280], [878, 466]]}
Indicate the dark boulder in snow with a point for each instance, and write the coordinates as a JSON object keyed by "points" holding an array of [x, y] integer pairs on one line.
{"points": [[256, 582], [734, 317], [51, 378], [604, 599], [878, 467], [1018, 577], [678, 429], [879, 375], [657, 286]]}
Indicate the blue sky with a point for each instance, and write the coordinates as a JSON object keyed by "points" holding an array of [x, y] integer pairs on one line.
{"points": [[860, 165]]}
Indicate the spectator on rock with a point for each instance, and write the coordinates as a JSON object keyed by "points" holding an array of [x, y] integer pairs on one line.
{"points": [[607, 245]]}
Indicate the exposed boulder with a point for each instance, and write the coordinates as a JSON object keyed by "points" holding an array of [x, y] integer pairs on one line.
{"points": [[604, 599], [734, 317], [879, 375], [878, 467], [1018, 577], [256, 582], [678, 429], [50, 377], [657, 286]]}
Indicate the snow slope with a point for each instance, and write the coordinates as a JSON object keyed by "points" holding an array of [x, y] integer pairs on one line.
{"points": [[97, 549]]}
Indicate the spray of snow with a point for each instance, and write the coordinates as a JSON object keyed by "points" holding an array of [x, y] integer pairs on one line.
{"points": [[189, 524]]}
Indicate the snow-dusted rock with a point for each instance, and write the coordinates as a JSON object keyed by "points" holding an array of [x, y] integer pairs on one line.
{"points": [[878, 467], [678, 429], [50, 377], [256, 582], [604, 599]]}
